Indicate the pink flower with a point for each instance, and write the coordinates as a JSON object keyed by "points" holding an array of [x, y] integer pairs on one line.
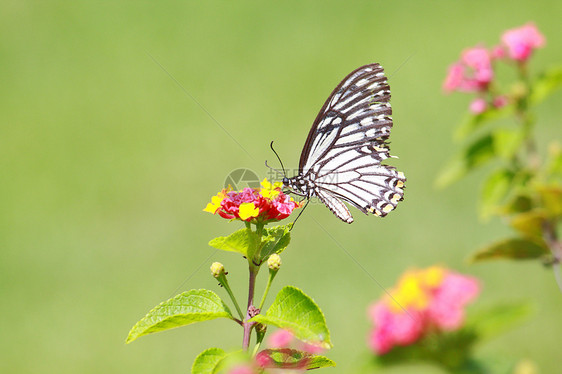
{"points": [[310, 348], [393, 328], [285, 339], [479, 59], [280, 339], [380, 341], [499, 101], [478, 105], [521, 41], [263, 359], [454, 78], [462, 289], [242, 370], [473, 73], [447, 309], [431, 300], [254, 205]]}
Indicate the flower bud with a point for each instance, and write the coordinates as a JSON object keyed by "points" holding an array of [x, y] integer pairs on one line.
{"points": [[217, 269], [274, 262]]}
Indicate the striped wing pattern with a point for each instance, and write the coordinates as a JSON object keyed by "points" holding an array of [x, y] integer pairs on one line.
{"points": [[341, 159]]}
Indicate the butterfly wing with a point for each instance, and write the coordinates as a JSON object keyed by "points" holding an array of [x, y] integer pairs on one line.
{"points": [[345, 147], [335, 205]]}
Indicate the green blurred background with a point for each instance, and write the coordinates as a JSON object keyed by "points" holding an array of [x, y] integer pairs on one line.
{"points": [[106, 166]]}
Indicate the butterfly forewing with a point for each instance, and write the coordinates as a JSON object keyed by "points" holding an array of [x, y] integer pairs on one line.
{"points": [[342, 155]]}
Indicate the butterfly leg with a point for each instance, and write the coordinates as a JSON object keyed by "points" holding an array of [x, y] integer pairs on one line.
{"points": [[295, 221]]}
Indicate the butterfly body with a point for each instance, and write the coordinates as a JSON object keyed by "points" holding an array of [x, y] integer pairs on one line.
{"points": [[341, 159]]}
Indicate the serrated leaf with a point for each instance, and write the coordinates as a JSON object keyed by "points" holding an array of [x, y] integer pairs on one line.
{"points": [[495, 320], [510, 249], [286, 358], [494, 191], [184, 309], [472, 122], [529, 224], [546, 84], [207, 361], [275, 240], [293, 310], [243, 241]]}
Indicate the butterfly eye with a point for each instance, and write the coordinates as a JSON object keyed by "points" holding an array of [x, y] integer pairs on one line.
{"points": [[285, 181]]}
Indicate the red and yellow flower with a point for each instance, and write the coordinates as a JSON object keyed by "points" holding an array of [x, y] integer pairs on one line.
{"points": [[264, 204]]}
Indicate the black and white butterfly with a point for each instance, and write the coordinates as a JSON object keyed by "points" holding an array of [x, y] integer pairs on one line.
{"points": [[341, 159]]}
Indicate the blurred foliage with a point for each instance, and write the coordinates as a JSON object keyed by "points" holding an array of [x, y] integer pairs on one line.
{"points": [[524, 190]]}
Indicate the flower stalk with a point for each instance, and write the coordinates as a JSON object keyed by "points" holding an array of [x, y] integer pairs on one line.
{"points": [[273, 263], [217, 270]]}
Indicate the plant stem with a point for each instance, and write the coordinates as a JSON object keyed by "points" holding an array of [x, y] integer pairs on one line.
{"points": [[248, 325], [526, 119], [269, 281], [227, 288], [551, 238]]}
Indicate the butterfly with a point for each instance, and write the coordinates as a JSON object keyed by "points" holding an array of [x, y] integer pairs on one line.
{"points": [[342, 155]]}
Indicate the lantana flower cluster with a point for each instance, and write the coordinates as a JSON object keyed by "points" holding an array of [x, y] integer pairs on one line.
{"points": [[264, 204], [430, 300], [280, 339], [474, 71]]}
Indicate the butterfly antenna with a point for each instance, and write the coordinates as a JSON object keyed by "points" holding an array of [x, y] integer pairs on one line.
{"points": [[279, 158], [276, 170]]}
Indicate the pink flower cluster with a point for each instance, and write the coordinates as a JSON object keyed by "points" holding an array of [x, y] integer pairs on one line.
{"points": [[280, 340], [285, 339], [520, 42], [424, 301], [474, 72], [264, 204]]}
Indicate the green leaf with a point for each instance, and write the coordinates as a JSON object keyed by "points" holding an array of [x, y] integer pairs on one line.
{"points": [[551, 198], [529, 224], [275, 240], [507, 142], [243, 241], [554, 160], [510, 249], [494, 321], [286, 358], [502, 143], [494, 191], [293, 310], [230, 360], [546, 84], [473, 122], [477, 153], [207, 361], [184, 309], [518, 204]]}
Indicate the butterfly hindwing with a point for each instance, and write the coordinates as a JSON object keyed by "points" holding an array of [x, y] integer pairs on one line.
{"points": [[335, 205]]}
